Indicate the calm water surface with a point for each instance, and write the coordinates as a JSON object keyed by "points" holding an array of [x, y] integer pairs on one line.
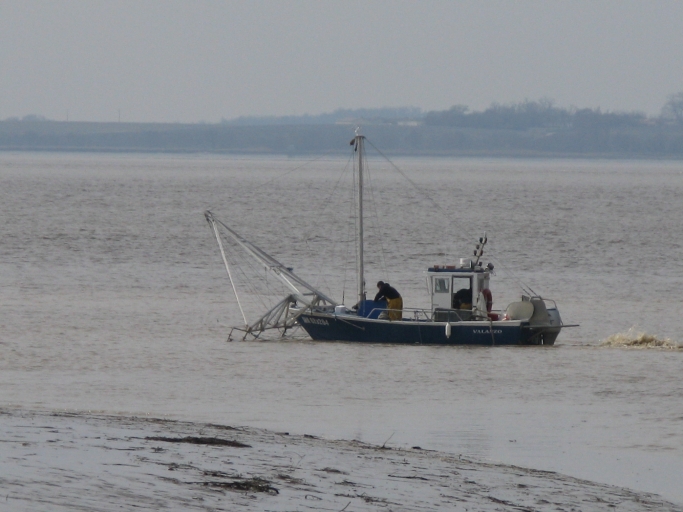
{"points": [[113, 298]]}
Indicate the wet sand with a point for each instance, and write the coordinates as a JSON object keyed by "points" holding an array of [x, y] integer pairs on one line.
{"points": [[77, 461]]}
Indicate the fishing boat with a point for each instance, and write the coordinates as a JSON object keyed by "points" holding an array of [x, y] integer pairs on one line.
{"points": [[461, 311]]}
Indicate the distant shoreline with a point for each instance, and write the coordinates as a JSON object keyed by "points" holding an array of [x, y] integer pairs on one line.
{"points": [[99, 462], [458, 155], [644, 143]]}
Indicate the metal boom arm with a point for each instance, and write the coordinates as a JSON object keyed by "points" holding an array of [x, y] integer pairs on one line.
{"points": [[280, 315]]}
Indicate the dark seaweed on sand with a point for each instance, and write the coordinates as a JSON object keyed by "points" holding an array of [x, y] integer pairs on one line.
{"points": [[210, 441], [251, 485]]}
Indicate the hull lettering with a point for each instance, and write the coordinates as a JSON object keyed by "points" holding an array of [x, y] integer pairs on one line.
{"points": [[317, 321]]}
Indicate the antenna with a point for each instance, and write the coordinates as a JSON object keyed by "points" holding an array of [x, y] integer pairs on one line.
{"points": [[479, 250]]}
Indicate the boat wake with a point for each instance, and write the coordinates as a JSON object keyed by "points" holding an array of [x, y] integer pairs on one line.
{"points": [[634, 339]]}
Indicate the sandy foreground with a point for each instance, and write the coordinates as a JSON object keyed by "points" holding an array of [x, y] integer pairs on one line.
{"points": [[83, 462]]}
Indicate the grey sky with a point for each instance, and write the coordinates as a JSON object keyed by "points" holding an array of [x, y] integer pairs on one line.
{"points": [[166, 60]]}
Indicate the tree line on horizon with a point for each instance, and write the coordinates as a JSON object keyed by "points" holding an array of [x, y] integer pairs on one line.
{"points": [[524, 115], [544, 114], [529, 128]]}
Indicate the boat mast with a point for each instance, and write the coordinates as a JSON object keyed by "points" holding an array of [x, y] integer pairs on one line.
{"points": [[359, 140]]}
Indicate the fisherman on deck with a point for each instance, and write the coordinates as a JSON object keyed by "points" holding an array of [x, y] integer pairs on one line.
{"points": [[393, 298]]}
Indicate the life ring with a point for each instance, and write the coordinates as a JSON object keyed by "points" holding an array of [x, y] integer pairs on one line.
{"points": [[489, 299], [489, 304]]}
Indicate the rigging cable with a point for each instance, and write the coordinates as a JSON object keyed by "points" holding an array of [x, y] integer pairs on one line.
{"points": [[378, 225], [346, 251], [248, 284], [214, 228], [280, 176], [517, 281], [318, 214]]}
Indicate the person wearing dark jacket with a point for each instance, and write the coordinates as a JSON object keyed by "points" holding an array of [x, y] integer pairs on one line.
{"points": [[393, 298], [462, 299]]}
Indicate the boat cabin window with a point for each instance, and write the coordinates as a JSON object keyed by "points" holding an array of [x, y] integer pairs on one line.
{"points": [[462, 293], [441, 285]]}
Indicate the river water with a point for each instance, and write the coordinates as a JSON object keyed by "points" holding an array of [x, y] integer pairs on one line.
{"points": [[113, 298]]}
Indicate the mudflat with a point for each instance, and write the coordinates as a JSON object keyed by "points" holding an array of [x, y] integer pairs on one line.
{"points": [[78, 461]]}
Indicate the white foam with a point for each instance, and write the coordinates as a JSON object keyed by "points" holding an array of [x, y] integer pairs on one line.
{"points": [[634, 339]]}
